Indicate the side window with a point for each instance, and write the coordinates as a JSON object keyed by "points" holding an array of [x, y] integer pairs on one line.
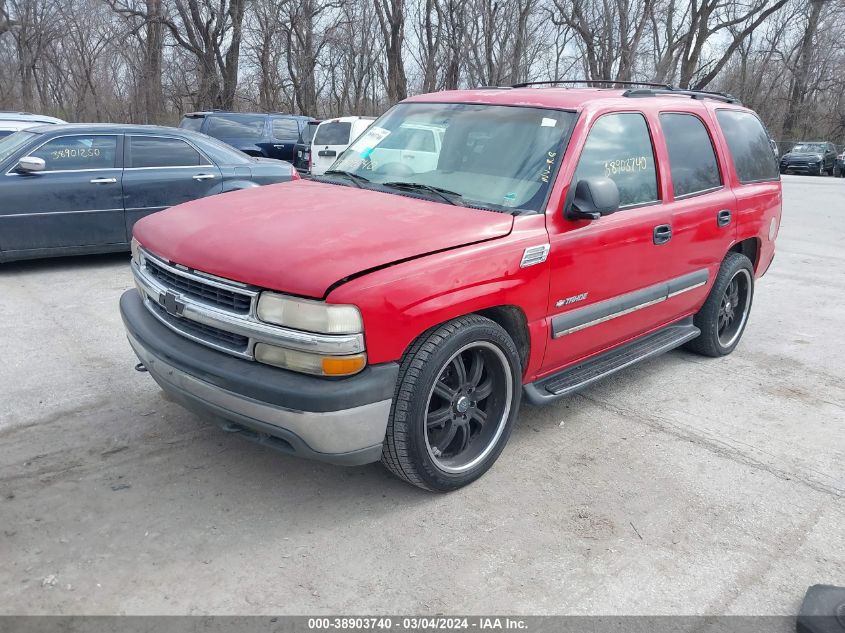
{"points": [[692, 161], [749, 146], [150, 151], [285, 129], [78, 152], [619, 147]]}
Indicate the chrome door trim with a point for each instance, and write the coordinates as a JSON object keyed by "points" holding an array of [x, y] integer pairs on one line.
{"points": [[603, 311]]}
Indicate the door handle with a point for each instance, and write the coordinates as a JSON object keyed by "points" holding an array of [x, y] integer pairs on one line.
{"points": [[662, 233], [103, 181], [723, 218], [204, 177], [279, 146]]}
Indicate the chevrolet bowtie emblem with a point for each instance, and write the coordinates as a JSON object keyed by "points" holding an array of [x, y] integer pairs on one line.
{"points": [[171, 304]]}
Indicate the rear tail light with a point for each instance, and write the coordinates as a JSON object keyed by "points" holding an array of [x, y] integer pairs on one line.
{"points": [[295, 175]]}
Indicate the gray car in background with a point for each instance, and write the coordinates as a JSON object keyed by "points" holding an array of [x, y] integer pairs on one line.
{"points": [[11, 122], [75, 189]]}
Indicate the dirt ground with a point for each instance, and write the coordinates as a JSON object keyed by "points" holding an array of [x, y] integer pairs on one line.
{"points": [[684, 485]]}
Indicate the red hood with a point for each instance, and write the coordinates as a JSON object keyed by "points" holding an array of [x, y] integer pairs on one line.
{"points": [[302, 237]]}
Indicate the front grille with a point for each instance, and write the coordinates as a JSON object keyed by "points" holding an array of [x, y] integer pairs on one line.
{"points": [[207, 293], [229, 340]]}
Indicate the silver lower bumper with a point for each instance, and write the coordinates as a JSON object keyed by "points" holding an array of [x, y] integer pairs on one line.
{"points": [[349, 436]]}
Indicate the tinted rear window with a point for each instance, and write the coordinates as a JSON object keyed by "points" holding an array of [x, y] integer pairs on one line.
{"points": [[236, 126], [692, 161], [191, 123], [334, 133], [749, 146]]}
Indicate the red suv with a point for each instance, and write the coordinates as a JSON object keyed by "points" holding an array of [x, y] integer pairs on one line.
{"points": [[471, 249]]}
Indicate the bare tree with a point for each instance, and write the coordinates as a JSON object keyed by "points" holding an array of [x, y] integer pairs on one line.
{"points": [[391, 19]]}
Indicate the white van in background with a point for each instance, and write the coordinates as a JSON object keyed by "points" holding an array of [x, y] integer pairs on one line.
{"points": [[332, 137]]}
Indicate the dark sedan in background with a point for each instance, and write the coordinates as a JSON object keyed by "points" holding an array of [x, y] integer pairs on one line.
{"points": [[271, 135], [75, 189], [815, 158]]}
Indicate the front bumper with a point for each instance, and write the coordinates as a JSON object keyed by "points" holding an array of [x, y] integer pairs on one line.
{"points": [[801, 168], [341, 421]]}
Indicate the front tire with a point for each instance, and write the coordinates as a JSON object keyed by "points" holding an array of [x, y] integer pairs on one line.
{"points": [[723, 317], [456, 401]]}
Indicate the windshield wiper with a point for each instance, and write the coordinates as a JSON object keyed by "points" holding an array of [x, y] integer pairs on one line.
{"points": [[356, 178], [445, 194]]}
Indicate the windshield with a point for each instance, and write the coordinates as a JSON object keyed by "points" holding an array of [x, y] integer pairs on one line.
{"points": [[236, 126], [13, 143], [495, 157], [809, 148]]}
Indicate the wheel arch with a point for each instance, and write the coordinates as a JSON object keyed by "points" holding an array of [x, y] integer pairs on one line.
{"points": [[513, 320], [749, 247]]}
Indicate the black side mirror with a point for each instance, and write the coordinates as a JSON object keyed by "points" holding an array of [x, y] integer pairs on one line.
{"points": [[593, 198]]}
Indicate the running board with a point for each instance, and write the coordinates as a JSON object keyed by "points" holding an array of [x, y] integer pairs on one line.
{"points": [[579, 376]]}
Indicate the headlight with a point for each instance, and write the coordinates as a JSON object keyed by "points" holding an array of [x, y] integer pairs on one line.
{"points": [[309, 363], [133, 247], [310, 316]]}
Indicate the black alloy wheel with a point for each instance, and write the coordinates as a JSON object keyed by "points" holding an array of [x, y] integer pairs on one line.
{"points": [[468, 407], [456, 400], [734, 307], [724, 315]]}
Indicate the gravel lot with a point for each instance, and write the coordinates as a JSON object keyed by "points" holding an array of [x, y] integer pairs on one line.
{"points": [[683, 486]]}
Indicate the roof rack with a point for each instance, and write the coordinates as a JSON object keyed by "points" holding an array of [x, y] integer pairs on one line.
{"points": [[602, 82], [694, 94]]}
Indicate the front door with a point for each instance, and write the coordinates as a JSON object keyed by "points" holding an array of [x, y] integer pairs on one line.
{"points": [[608, 276], [163, 171], [76, 201]]}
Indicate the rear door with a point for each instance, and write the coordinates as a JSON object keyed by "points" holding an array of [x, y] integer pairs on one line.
{"points": [[76, 201], [163, 171], [285, 133], [703, 210], [330, 140]]}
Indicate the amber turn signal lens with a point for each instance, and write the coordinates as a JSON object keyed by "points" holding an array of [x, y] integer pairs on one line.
{"points": [[344, 366]]}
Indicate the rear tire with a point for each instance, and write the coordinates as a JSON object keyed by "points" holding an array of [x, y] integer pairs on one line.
{"points": [[456, 401], [724, 315]]}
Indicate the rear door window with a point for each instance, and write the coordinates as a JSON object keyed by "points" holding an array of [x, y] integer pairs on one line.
{"points": [[333, 133], [246, 126], [619, 147], [692, 160], [150, 151], [82, 151], [285, 129], [749, 146]]}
